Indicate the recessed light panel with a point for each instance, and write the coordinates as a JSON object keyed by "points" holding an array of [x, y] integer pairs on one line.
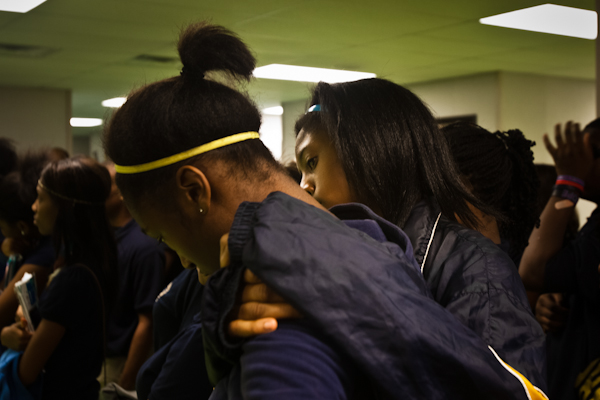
{"points": [[20, 6], [308, 74], [115, 102], [85, 122], [549, 18], [277, 110]]}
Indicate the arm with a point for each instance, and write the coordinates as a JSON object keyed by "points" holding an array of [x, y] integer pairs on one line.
{"points": [[43, 343], [573, 156], [8, 298], [260, 306], [139, 350], [16, 336], [551, 312], [296, 363]]}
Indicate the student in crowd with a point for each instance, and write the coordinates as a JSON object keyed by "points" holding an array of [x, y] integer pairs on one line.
{"points": [[498, 168], [376, 143], [176, 369], [68, 344], [550, 266], [141, 271], [30, 251], [200, 177], [8, 162]]}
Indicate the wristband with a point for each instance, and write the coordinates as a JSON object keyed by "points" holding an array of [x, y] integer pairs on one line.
{"points": [[571, 181], [569, 193]]}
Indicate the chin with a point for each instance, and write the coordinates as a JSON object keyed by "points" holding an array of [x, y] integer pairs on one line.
{"points": [[202, 278]]}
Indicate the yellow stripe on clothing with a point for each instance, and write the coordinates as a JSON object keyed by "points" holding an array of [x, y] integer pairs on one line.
{"points": [[533, 393]]}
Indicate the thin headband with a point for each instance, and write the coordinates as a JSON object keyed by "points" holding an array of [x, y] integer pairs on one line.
{"points": [[87, 203], [163, 162]]}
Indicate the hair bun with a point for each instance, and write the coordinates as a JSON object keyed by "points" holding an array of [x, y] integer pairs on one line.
{"points": [[203, 47]]}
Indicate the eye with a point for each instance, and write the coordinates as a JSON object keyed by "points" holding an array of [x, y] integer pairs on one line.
{"points": [[311, 164], [160, 239]]}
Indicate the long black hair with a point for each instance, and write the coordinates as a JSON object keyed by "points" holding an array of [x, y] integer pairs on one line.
{"points": [[79, 186], [18, 188], [176, 114], [499, 166], [390, 148]]}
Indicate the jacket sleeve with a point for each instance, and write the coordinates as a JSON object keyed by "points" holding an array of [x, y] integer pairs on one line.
{"points": [[480, 286], [367, 298]]}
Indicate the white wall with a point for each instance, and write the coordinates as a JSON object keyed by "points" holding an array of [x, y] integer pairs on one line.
{"points": [[509, 100], [535, 104], [36, 117], [96, 149], [476, 94], [291, 112], [271, 134]]}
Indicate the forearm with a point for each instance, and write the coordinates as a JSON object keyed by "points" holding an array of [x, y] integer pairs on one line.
{"points": [[43, 343], [139, 350], [544, 243]]}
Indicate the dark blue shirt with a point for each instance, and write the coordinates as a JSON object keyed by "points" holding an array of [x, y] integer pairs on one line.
{"points": [[72, 299], [141, 265], [177, 369], [176, 306]]}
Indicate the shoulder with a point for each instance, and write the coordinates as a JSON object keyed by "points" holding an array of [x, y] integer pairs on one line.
{"points": [[43, 254]]}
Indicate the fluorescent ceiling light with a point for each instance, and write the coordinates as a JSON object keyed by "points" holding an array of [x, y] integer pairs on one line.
{"points": [[549, 18], [277, 110], [308, 74], [85, 122], [20, 6], [115, 102]]}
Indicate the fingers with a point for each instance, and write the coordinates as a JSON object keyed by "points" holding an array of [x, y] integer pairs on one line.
{"points": [[242, 328], [224, 257], [254, 311], [261, 293], [558, 135], [249, 277], [551, 149]]}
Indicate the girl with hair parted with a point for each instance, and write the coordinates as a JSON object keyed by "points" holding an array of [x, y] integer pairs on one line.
{"points": [[68, 343], [194, 175], [374, 142]]}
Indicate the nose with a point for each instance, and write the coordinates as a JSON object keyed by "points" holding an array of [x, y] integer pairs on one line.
{"points": [[307, 184], [34, 206]]}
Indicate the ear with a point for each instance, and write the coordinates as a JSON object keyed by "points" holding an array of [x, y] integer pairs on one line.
{"points": [[23, 227], [194, 186]]}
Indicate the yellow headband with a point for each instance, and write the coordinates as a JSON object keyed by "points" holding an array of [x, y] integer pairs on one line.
{"points": [[163, 162]]}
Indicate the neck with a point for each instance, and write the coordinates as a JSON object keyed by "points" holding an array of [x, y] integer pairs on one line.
{"points": [[487, 225], [285, 184], [119, 218]]}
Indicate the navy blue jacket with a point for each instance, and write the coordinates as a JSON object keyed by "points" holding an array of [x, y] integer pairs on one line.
{"points": [[367, 298], [479, 284]]}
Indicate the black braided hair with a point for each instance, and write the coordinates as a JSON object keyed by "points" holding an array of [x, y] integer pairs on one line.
{"points": [[499, 166]]}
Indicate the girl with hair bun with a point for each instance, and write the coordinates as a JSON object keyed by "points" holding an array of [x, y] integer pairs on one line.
{"points": [[68, 342], [499, 168], [194, 175]]}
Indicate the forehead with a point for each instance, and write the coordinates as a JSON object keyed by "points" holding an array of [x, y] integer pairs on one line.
{"points": [[316, 138]]}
